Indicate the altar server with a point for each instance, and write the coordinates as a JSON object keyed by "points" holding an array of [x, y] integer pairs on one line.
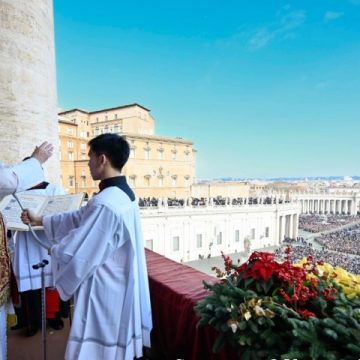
{"points": [[27, 253], [98, 256]]}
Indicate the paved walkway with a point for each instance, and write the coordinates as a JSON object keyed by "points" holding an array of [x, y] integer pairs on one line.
{"points": [[21, 347], [205, 265]]}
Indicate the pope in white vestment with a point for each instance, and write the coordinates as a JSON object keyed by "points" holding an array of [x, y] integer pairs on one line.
{"points": [[98, 257], [16, 178]]}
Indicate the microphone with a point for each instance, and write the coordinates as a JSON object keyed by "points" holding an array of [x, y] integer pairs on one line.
{"points": [[40, 265]]}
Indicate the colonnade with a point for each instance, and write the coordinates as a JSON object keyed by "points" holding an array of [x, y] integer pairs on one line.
{"points": [[287, 227], [330, 205]]}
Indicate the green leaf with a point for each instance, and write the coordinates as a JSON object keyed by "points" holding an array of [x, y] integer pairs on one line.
{"points": [[267, 285], [248, 281], [219, 343], [242, 325], [295, 355], [330, 333], [355, 349], [253, 326]]}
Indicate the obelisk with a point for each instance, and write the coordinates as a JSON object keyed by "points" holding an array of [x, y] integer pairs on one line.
{"points": [[28, 112]]}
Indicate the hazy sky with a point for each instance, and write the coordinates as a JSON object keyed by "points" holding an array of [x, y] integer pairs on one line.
{"points": [[262, 88]]}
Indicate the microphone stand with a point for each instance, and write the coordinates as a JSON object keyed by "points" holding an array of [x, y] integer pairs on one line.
{"points": [[41, 265]]}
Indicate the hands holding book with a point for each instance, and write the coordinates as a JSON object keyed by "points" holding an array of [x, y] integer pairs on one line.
{"points": [[28, 217]]}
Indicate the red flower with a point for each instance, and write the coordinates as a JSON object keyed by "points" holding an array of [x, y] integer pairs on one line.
{"points": [[306, 313]]}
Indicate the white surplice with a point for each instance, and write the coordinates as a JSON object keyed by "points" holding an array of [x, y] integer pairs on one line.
{"points": [[16, 178], [29, 252], [98, 256]]}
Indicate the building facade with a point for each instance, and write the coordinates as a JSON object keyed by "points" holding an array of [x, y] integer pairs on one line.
{"points": [[191, 232], [158, 166]]}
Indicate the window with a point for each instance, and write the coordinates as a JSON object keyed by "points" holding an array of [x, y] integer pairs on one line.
{"points": [[161, 181], [173, 180], [71, 181], [132, 179], [149, 244], [132, 152], [71, 155], [173, 155], [69, 131], [219, 238], [83, 146], [83, 181], [187, 154], [252, 236], [267, 232], [115, 116], [160, 154], [70, 144], [237, 235], [176, 243], [147, 180], [199, 241], [146, 154]]}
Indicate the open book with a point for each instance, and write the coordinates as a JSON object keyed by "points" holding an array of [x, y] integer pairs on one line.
{"points": [[39, 204]]}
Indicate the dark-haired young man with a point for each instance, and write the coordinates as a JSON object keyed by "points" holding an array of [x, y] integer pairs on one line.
{"points": [[98, 256]]}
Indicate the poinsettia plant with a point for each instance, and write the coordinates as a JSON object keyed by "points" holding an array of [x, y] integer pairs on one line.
{"points": [[278, 310]]}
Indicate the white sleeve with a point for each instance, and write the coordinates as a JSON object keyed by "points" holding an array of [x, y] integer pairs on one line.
{"points": [[20, 177], [28, 173], [8, 181], [57, 226], [86, 247]]}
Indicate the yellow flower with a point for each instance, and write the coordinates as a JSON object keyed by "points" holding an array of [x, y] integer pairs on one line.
{"points": [[247, 315]]}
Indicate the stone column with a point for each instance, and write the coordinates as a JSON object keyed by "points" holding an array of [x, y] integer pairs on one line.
{"points": [[291, 225], [28, 111], [295, 226]]}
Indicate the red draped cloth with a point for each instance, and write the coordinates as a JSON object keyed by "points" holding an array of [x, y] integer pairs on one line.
{"points": [[174, 290]]}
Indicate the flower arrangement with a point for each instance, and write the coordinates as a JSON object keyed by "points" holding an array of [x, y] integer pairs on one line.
{"points": [[272, 310]]}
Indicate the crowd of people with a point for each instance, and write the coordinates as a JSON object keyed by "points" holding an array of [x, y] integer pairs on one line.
{"points": [[317, 223], [145, 202], [346, 240], [148, 202], [348, 262]]}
